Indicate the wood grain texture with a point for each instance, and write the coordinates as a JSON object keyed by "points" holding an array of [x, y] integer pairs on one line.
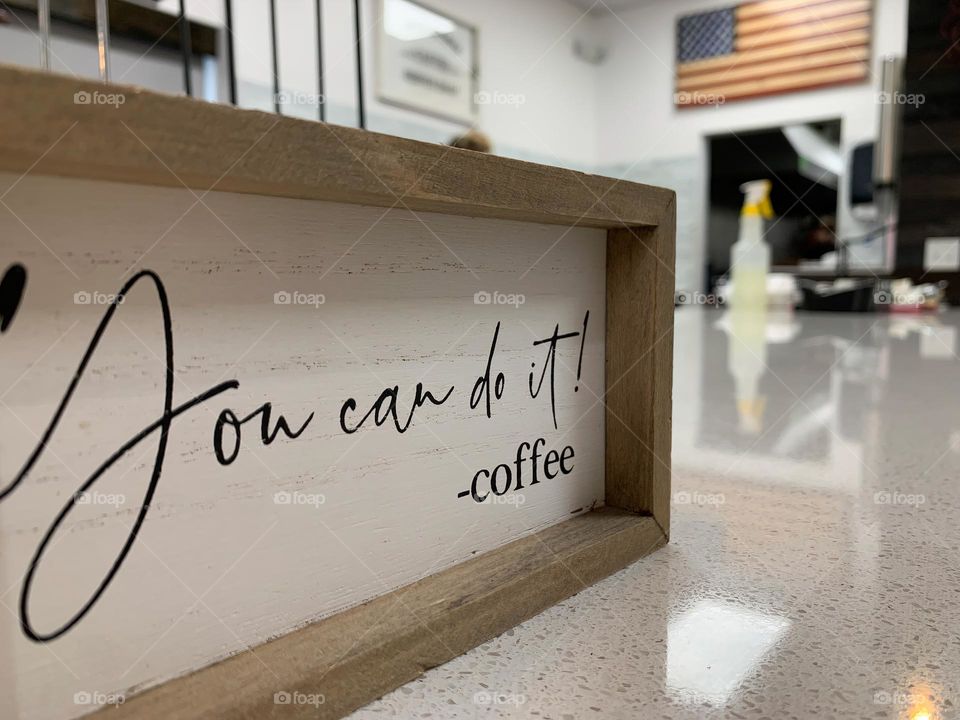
{"points": [[812, 80], [373, 648], [834, 41], [639, 367], [776, 48], [857, 21], [157, 139], [744, 73], [768, 7], [807, 14]]}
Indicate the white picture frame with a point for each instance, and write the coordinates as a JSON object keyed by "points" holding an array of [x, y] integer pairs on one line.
{"points": [[426, 61]]}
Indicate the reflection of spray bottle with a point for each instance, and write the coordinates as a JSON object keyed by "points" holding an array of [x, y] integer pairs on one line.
{"points": [[747, 360], [747, 355], [750, 255]]}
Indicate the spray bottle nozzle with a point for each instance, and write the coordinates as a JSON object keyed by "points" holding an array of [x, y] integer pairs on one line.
{"points": [[757, 200]]}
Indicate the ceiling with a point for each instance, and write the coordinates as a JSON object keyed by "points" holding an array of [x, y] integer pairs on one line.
{"points": [[615, 5]]}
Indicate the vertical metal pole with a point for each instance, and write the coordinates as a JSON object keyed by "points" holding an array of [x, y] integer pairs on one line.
{"points": [[186, 47], [886, 152], [276, 57], [43, 19], [360, 112], [321, 99], [231, 65], [103, 40]]}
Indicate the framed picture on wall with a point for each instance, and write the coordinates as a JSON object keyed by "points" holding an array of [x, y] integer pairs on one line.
{"points": [[426, 61], [771, 47]]}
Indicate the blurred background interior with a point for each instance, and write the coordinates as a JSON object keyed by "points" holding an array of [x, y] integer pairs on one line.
{"points": [[849, 107]]}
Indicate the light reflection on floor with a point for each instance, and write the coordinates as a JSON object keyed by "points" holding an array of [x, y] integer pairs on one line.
{"points": [[713, 646]]}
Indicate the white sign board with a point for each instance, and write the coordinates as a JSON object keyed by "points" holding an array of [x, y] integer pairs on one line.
{"points": [[225, 416], [426, 61]]}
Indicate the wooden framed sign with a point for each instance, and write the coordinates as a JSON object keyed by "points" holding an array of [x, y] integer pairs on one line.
{"points": [[291, 412]]}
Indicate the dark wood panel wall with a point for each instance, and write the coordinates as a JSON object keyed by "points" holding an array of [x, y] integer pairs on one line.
{"points": [[930, 158]]}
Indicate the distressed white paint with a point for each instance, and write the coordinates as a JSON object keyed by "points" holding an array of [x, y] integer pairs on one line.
{"points": [[399, 291]]}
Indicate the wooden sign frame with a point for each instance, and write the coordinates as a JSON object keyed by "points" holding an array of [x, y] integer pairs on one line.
{"points": [[355, 656]]}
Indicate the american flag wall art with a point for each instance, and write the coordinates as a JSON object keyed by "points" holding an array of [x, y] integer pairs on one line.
{"points": [[769, 47]]}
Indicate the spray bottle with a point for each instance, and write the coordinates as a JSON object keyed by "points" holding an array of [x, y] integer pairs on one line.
{"points": [[747, 348], [750, 255]]}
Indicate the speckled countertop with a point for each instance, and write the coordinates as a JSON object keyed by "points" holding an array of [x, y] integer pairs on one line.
{"points": [[813, 564]]}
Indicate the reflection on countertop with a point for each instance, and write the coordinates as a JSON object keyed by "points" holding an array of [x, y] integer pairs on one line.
{"points": [[812, 569]]}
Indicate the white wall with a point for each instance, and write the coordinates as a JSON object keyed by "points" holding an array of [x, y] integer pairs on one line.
{"points": [[643, 136], [525, 48]]}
